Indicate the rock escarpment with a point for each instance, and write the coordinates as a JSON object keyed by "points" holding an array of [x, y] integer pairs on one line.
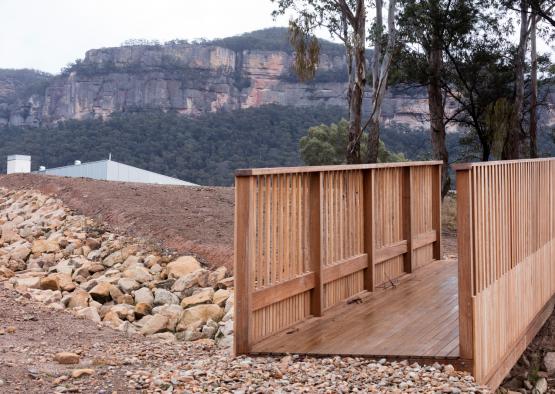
{"points": [[191, 79]]}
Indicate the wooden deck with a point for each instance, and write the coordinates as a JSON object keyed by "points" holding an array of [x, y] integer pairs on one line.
{"points": [[418, 318]]}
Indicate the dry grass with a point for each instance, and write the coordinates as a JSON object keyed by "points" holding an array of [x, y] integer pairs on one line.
{"points": [[449, 213]]}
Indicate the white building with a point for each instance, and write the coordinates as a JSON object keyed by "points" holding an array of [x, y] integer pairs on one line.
{"points": [[19, 164], [107, 170]]}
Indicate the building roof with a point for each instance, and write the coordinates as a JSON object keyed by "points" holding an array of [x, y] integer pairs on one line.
{"points": [[111, 170]]}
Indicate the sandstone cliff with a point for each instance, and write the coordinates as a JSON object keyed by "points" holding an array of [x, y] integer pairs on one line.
{"points": [[191, 79], [228, 74]]}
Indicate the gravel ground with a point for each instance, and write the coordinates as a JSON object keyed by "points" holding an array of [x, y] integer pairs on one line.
{"points": [[31, 334]]}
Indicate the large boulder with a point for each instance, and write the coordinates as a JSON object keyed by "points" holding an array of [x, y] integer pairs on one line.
{"points": [[112, 319], [89, 313], [216, 276], [220, 297], [190, 280], [92, 243], [45, 246], [183, 266], [141, 310], [127, 285], [143, 296], [119, 256], [139, 274], [164, 297], [66, 358], [103, 292], [156, 323], [201, 296], [30, 282], [172, 312], [57, 281], [549, 362], [78, 299], [197, 316], [9, 234], [20, 253], [124, 311]]}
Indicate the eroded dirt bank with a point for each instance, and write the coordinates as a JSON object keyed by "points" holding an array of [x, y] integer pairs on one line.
{"points": [[197, 220]]}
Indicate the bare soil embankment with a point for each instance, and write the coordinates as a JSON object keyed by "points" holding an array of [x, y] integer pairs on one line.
{"points": [[196, 220]]}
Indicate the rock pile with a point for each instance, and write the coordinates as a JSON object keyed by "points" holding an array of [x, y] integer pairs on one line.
{"points": [[70, 262]]}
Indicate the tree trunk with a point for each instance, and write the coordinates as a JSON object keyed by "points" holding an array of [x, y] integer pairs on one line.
{"points": [[436, 108], [355, 110], [380, 74], [533, 90], [511, 148], [349, 61], [374, 122]]}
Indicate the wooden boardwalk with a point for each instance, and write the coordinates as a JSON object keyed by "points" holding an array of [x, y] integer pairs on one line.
{"points": [[418, 318]]}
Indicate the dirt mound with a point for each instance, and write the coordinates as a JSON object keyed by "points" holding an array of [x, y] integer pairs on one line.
{"points": [[197, 220]]}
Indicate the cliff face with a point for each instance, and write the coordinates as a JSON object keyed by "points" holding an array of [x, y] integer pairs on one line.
{"points": [[189, 78]]}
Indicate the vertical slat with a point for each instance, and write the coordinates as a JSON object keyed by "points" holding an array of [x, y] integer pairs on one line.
{"points": [[465, 248], [436, 210], [368, 191], [408, 218], [244, 245], [315, 242]]}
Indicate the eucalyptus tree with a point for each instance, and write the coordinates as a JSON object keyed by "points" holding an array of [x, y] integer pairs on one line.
{"points": [[346, 21], [530, 14], [382, 58], [429, 29]]}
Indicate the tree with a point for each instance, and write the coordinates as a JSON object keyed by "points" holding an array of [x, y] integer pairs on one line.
{"points": [[380, 70], [478, 79], [428, 28], [511, 148], [533, 87], [345, 20], [324, 145]]}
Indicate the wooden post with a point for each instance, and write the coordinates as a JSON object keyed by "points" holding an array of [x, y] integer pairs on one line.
{"points": [[243, 239], [408, 232], [368, 188], [464, 240], [315, 242], [436, 211]]}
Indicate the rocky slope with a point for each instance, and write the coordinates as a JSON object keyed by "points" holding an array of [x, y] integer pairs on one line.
{"points": [[191, 79], [53, 261], [68, 261]]}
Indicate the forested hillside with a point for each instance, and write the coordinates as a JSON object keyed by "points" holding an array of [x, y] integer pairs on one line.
{"points": [[204, 150]]}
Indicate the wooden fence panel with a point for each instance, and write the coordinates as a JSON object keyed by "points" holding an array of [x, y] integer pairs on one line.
{"points": [[506, 257], [308, 238]]}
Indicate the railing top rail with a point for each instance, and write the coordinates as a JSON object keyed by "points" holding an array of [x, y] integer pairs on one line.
{"points": [[345, 167], [468, 166]]}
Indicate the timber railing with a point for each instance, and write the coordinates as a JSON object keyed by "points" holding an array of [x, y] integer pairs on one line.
{"points": [[308, 238], [506, 230]]}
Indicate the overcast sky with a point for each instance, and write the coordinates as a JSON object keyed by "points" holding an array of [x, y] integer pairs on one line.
{"points": [[48, 34]]}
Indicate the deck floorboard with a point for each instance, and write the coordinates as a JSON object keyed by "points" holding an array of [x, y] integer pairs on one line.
{"points": [[417, 318]]}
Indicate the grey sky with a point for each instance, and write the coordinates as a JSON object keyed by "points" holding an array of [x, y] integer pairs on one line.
{"points": [[48, 34]]}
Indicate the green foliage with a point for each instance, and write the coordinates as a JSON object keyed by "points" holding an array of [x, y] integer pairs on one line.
{"points": [[271, 39], [204, 150], [25, 82], [328, 145], [207, 149]]}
